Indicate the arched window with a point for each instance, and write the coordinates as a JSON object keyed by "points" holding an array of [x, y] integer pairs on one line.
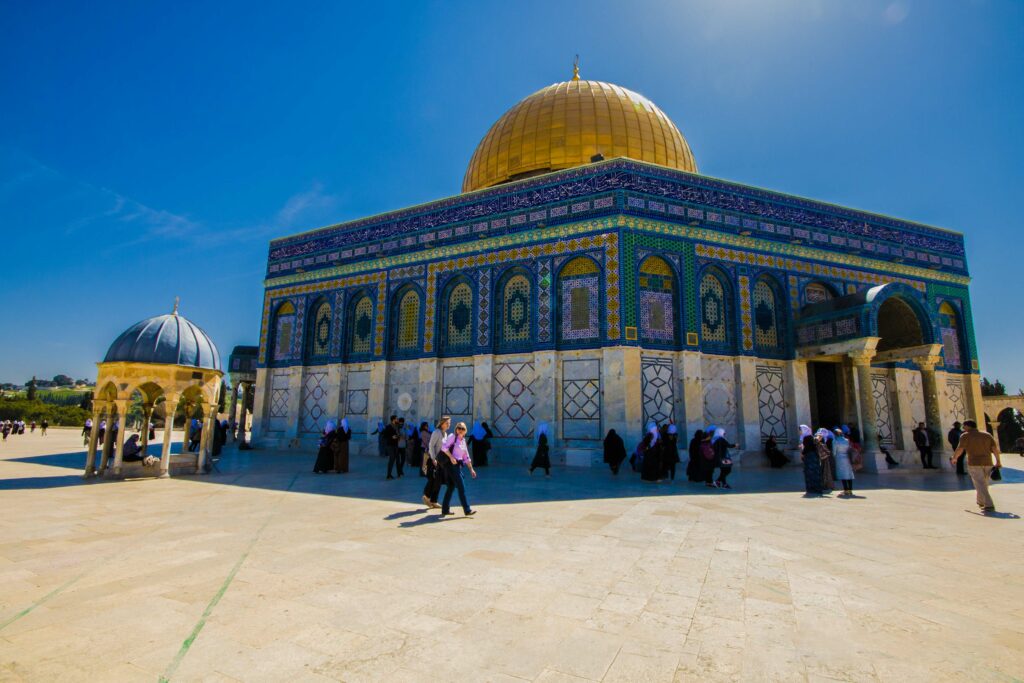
{"points": [[949, 326], [457, 318], [716, 312], [514, 326], [282, 332], [360, 326], [318, 339], [769, 337], [658, 296], [579, 297], [405, 321], [816, 292]]}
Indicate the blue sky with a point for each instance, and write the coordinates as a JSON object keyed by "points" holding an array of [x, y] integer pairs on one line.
{"points": [[149, 151]]}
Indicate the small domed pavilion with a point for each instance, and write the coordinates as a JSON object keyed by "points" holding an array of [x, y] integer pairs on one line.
{"points": [[169, 360]]}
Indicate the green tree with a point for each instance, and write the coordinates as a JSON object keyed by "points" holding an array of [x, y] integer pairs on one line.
{"points": [[992, 388], [63, 380]]}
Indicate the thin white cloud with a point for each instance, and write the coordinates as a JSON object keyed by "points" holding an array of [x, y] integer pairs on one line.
{"points": [[896, 12]]}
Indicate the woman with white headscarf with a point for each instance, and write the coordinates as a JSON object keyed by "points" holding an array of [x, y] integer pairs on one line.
{"points": [[652, 469], [823, 442], [325, 454], [720, 446], [542, 457], [340, 446], [812, 462]]}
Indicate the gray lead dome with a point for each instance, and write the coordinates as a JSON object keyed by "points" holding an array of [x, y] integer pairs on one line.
{"points": [[168, 339]]}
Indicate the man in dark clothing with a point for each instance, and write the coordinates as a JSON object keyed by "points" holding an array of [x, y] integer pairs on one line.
{"points": [[953, 437], [924, 446], [390, 437]]}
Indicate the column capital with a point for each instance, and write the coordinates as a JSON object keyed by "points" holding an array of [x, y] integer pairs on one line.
{"points": [[862, 357], [927, 362]]}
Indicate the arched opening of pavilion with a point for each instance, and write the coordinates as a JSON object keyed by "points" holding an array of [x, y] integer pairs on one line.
{"points": [[157, 368]]}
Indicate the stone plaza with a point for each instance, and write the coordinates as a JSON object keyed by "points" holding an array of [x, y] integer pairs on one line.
{"points": [[263, 571]]}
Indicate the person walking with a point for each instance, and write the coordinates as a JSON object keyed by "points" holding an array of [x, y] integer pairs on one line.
{"points": [[720, 445], [86, 430], [651, 468], [614, 451], [811, 461], [842, 452], [542, 458], [432, 467], [953, 438], [455, 456], [924, 446], [980, 447], [43, 427], [481, 443], [389, 435]]}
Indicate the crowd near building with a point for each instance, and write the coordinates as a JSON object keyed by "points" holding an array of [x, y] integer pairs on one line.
{"points": [[588, 277]]}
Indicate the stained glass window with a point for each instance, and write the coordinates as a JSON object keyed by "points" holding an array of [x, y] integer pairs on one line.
{"points": [[408, 321], [460, 317], [657, 301], [714, 324], [580, 297], [949, 326], [515, 323], [320, 334], [284, 327], [361, 329], [766, 323]]}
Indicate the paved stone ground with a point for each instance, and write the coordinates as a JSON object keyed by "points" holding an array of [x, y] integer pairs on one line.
{"points": [[266, 571]]}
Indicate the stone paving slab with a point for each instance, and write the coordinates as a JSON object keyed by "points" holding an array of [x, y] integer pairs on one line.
{"points": [[267, 572]]}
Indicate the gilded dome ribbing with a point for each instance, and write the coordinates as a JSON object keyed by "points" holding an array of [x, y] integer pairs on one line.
{"points": [[566, 124]]}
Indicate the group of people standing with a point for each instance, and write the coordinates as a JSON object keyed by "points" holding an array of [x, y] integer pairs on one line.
{"points": [[403, 443], [829, 455], [657, 455], [17, 427]]}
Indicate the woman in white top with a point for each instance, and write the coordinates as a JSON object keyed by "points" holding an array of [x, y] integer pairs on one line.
{"points": [[431, 467], [844, 468]]}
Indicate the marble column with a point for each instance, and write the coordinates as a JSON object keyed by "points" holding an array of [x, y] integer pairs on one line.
{"points": [[874, 461], [933, 415], [206, 440], [170, 407], [187, 408], [90, 455], [749, 417], [693, 391], [122, 415], [798, 399]]}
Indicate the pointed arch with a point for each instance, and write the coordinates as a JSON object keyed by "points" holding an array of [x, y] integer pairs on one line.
{"points": [[951, 332], [579, 297], [769, 317], [658, 303], [717, 326], [455, 325], [318, 332], [359, 326], [406, 304], [282, 332], [514, 330]]}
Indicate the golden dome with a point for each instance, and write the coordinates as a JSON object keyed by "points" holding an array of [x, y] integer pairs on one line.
{"points": [[565, 124]]}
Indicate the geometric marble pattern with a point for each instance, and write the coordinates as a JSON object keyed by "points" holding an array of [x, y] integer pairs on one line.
{"points": [[883, 413], [581, 399], [457, 393], [719, 386], [656, 384], [279, 395], [313, 412], [771, 402], [357, 399], [513, 399], [955, 399]]}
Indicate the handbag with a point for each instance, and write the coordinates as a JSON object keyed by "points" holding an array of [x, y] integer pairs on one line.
{"points": [[996, 475]]}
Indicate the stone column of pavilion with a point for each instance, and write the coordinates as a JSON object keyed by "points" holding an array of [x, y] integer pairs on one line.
{"points": [[933, 415], [874, 461], [90, 459], [206, 439], [122, 415], [147, 414], [108, 436], [170, 408]]}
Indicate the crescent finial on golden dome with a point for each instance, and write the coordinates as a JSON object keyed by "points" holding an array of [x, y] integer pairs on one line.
{"points": [[576, 68], [568, 124]]}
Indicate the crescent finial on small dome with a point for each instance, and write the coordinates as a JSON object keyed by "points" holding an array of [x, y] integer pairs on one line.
{"points": [[175, 311]]}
